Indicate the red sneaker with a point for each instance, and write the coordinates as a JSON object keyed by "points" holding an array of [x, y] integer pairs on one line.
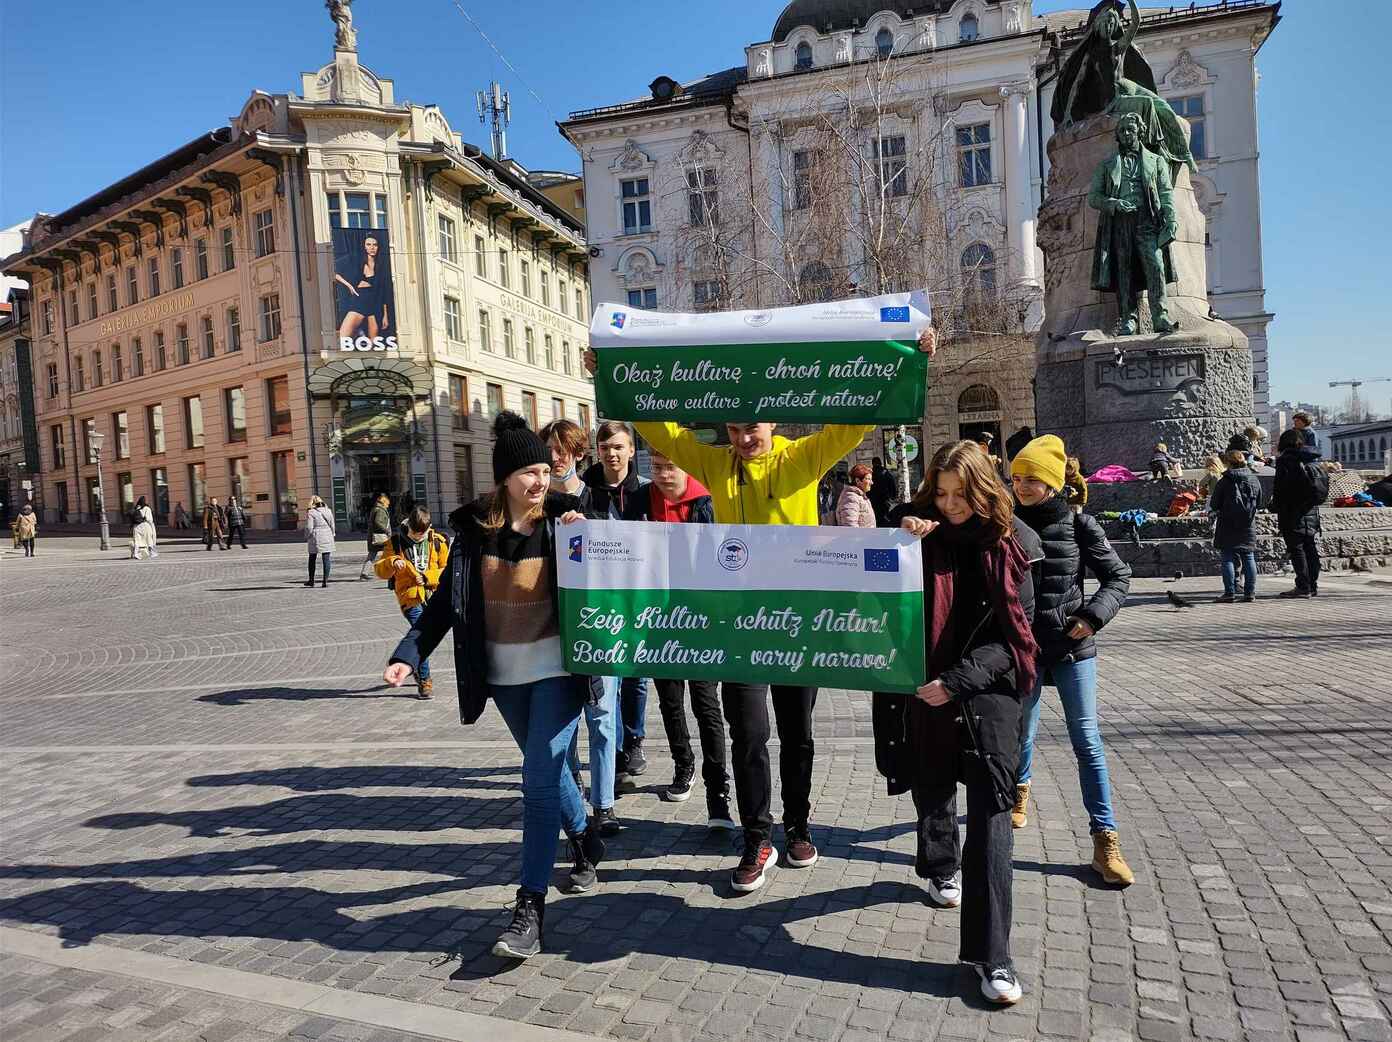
{"points": [[753, 868], [801, 852]]}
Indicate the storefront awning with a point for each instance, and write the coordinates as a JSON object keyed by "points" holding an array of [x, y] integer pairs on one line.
{"points": [[371, 376]]}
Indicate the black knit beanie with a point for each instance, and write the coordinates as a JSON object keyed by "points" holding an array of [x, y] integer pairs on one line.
{"points": [[517, 446]]}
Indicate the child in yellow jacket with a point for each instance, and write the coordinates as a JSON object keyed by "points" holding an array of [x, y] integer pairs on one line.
{"points": [[412, 563]]}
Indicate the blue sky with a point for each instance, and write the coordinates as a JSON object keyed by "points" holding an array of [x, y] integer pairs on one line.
{"points": [[90, 91]]}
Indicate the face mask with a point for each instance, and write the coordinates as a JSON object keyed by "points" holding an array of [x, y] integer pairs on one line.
{"points": [[567, 475]]}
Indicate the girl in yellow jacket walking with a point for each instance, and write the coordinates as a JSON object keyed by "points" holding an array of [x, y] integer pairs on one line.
{"points": [[412, 565]]}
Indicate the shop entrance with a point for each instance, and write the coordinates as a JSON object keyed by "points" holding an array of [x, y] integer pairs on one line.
{"points": [[374, 472]]}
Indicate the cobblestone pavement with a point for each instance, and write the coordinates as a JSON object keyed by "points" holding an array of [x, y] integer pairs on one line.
{"points": [[200, 764]]}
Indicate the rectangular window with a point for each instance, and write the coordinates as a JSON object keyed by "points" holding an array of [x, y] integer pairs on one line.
{"points": [[974, 155], [264, 222], [643, 298], [111, 301], [549, 352], [193, 422], [558, 408], [159, 482], [278, 404], [234, 405], [181, 344], [485, 336], [270, 317], [526, 279], [89, 449], [454, 319], [234, 329], [120, 428], [176, 267], [48, 317], [358, 209], [1191, 108], [118, 364], [335, 211], [154, 277], [495, 400], [282, 484], [565, 357], [706, 294], [208, 342], [229, 252], [545, 289], [637, 206], [702, 197], [529, 339], [73, 317], [238, 476], [561, 301], [137, 357], [200, 259], [198, 488], [79, 375], [132, 286], [459, 401], [529, 408], [447, 247], [480, 256], [891, 153], [94, 496], [161, 356], [579, 304], [504, 269], [98, 375], [91, 300], [154, 428], [381, 201], [53, 379], [584, 420], [55, 434], [509, 346], [463, 474], [126, 487]]}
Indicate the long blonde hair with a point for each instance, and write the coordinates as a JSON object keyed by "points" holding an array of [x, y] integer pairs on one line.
{"points": [[980, 481], [500, 514], [315, 501]]}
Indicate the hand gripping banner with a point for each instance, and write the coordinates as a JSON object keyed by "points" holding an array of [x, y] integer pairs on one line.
{"points": [[761, 604], [843, 361]]}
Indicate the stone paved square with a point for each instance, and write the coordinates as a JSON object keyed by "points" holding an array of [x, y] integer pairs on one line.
{"points": [[201, 765]]}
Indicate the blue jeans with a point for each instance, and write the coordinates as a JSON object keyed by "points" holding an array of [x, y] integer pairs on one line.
{"points": [[602, 723], [633, 696], [1077, 688], [542, 718], [1249, 572], [413, 614]]}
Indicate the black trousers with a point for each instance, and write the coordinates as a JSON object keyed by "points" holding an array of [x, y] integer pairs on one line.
{"points": [[1305, 558], [746, 711], [710, 725], [985, 861], [239, 531]]}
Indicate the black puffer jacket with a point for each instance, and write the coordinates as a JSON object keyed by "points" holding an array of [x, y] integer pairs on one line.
{"points": [[1297, 491], [1073, 543], [1235, 502], [611, 503]]}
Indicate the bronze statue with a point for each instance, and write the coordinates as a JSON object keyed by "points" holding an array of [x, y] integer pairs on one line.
{"points": [[1134, 193], [1088, 83]]}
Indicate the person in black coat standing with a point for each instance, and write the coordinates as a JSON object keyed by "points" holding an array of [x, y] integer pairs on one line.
{"points": [[1065, 625], [964, 724], [1236, 499], [1299, 488]]}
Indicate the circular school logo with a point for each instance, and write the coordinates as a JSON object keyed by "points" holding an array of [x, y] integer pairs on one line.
{"points": [[732, 555], [758, 318]]}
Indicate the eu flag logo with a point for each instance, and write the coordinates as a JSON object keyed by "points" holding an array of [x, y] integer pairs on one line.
{"points": [[894, 314], [618, 320], [882, 560], [577, 547]]}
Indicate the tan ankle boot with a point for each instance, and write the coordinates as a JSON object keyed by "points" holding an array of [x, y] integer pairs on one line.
{"points": [[1019, 816], [1107, 859]]}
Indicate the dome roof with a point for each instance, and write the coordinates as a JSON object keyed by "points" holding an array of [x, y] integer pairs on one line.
{"points": [[822, 15]]}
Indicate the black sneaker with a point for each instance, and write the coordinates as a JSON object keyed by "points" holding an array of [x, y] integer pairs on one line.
{"points": [[1290, 594], [606, 822], [1227, 598], [1314, 591], [680, 789], [522, 939], [586, 851], [1000, 985], [718, 811], [635, 763], [1248, 598]]}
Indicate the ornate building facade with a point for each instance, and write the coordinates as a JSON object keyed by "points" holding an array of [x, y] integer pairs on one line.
{"points": [[332, 295]]}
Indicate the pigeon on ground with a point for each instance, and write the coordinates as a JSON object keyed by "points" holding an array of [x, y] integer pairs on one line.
{"points": [[1175, 578], [1177, 600]]}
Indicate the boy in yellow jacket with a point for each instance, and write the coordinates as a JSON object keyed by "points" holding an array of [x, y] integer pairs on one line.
{"points": [[413, 563]]}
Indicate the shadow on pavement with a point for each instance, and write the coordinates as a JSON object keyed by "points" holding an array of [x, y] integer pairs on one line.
{"points": [[323, 779], [244, 696]]}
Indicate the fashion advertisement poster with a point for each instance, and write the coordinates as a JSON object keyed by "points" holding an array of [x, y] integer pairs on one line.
{"points": [[364, 306]]}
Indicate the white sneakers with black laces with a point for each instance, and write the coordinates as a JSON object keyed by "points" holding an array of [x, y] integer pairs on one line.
{"points": [[945, 893], [999, 985]]}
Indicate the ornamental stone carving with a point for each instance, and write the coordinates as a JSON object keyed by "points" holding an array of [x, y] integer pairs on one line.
{"points": [[763, 61], [1186, 72], [1014, 19], [632, 157]]}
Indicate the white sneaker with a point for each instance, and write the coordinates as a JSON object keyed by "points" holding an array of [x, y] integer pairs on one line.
{"points": [[1000, 985], [945, 892]]}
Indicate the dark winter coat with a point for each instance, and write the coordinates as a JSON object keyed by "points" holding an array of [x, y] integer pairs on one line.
{"points": [[612, 504], [1298, 489], [1236, 499], [1073, 545], [236, 516], [457, 604], [915, 740]]}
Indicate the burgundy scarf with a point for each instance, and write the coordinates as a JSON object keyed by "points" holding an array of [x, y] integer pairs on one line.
{"points": [[1004, 565]]}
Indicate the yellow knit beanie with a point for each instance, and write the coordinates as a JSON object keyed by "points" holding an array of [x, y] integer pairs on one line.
{"points": [[1044, 458]]}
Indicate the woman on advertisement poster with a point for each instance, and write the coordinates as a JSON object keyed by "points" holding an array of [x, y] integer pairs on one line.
{"points": [[362, 270]]}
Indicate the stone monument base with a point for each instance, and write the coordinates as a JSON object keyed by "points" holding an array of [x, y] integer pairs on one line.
{"points": [[1112, 398]]}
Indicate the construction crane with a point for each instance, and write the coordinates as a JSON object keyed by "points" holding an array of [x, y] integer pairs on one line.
{"points": [[1353, 385]]}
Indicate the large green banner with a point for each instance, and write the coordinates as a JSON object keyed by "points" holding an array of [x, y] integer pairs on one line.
{"points": [[843, 361], [762, 604]]}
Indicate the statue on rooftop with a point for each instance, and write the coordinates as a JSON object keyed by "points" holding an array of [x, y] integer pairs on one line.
{"points": [[346, 37]]}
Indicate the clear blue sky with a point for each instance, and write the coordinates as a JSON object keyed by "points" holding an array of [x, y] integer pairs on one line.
{"points": [[91, 91]]}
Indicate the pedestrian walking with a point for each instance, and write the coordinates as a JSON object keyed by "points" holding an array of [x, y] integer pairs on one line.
{"points": [[412, 564], [883, 490], [319, 534], [964, 724], [236, 522], [854, 509], [568, 444], [499, 598], [675, 497], [1065, 627], [214, 525], [26, 528], [143, 531], [1236, 499], [181, 516], [379, 531], [1300, 486], [613, 482]]}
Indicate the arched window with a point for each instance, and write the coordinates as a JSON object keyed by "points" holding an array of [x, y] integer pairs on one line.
{"points": [[978, 398], [884, 43], [978, 272], [968, 29], [1382, 445], [815, 283], [802, 55], [1362, 449]]}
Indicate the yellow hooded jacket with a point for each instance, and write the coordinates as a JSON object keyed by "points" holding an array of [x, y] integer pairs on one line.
{"points": [[409, 592], [777, 488]]}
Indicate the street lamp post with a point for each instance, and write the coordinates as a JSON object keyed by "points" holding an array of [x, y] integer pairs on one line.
{"points": [[95, 439]]}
